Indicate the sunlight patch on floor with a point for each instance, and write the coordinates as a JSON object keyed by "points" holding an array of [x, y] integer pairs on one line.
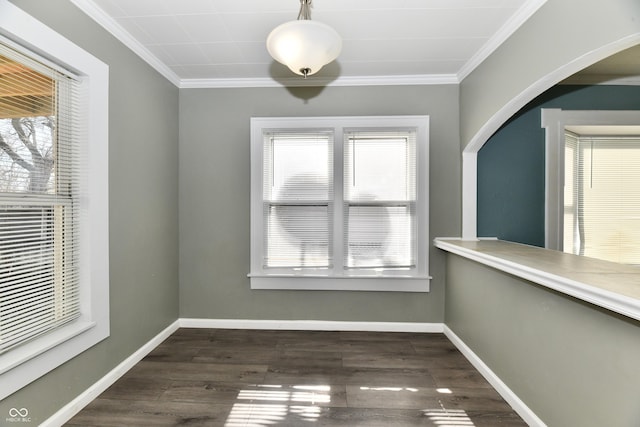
{"points": [[254, 413], [449, 417]]}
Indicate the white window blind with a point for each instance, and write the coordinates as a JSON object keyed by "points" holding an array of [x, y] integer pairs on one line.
{"points": [[39, 209], [379, 199], [607, 198], [571, 240], [298, 199]]}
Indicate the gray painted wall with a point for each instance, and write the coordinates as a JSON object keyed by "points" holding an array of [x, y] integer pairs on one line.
{"points": [[215, 201], [572, 363], [143, 168]]}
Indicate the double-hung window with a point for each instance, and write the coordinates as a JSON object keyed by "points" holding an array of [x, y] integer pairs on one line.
{"points": [[340, 203], [602, 196], [54, 276], [592, 196]]}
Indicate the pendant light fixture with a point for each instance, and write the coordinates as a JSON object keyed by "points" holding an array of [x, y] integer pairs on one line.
{"points": [[304, 45]]}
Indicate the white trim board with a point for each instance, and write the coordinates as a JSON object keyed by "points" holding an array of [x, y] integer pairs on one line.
{"points": [[522, 15], [312, 325], [76, 405], [94, 12], [398, 80], [507, 394]]}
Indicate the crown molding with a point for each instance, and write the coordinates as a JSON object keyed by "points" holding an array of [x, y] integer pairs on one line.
{"points": [[510, 27], [406, 80], [116, 30]]}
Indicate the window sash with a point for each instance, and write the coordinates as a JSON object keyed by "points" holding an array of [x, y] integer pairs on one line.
{"points": [[606, 207], [380, 177], [380, 235], [298, 199], [380, 165], [378, 232], [298, 235], [39, 214]]}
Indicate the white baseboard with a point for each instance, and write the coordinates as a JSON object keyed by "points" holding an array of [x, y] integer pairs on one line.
{"points": [[312, 325], [72, 408], [507, 394]]}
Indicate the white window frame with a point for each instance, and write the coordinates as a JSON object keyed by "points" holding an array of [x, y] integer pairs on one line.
{"points": [[20, 366], [414, 280], [554, 121]]}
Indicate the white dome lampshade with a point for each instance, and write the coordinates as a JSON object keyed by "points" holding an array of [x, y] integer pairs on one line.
{"points": [[303, 45]]}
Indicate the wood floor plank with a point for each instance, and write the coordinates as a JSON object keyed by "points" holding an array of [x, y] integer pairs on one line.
{"points": [[406, 361], [359, 376], [208, 392], [466, 377], [234, 378], [326, 359], [237, 355], [132, 388], [426, 398], [113, 412], [223, 372]]}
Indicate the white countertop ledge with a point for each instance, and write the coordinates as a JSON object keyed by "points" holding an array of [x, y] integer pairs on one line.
{"points": [[615, 287]]}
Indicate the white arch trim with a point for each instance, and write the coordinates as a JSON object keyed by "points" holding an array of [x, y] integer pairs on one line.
{"points": [[470, 152]]}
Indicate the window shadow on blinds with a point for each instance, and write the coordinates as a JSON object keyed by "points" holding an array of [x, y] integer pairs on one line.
{"points": [[298, 198], [380, 199]]}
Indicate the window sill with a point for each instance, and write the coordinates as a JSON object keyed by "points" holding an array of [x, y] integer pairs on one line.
{"points": [[30, 361], [40, 345], [605, 284], [371, 283]]}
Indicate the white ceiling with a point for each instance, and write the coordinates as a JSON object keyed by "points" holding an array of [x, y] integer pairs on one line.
{"points": [[205, 43]]}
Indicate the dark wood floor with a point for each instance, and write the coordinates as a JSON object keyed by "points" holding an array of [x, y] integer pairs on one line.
{"points": [[233, 378]]}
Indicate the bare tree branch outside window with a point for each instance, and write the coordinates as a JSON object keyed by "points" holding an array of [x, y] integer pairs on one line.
{"points": [[27, 154]]}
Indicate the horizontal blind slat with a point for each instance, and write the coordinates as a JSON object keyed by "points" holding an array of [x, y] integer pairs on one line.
{"points": [[19, 313]]}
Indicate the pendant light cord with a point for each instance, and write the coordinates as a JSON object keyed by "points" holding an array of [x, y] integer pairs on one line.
{"points": [[305, 10]]}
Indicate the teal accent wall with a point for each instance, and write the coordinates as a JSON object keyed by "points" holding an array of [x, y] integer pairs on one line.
{"points": [[511, 165]]}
